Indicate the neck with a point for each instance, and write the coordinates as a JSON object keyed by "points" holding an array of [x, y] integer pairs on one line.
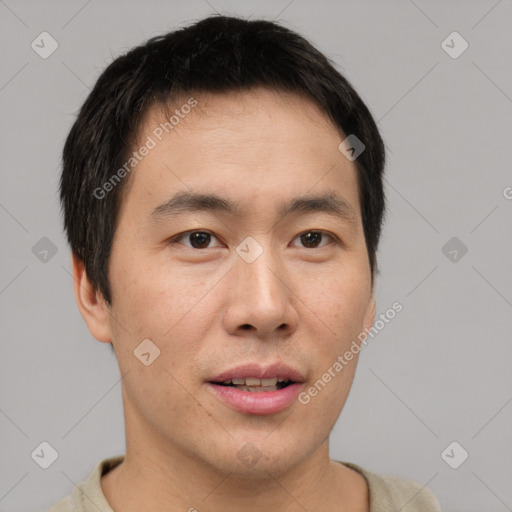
{"points": [[142, 482], [160, 477]]}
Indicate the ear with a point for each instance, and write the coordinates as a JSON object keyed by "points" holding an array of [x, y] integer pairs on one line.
{"points": [[91, 303], [369, 317]]}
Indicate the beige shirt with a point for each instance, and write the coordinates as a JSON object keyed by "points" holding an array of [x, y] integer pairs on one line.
{"points": [[387, 493]]}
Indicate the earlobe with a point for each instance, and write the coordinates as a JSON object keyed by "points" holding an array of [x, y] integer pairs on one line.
{"points": [[90, 303]]}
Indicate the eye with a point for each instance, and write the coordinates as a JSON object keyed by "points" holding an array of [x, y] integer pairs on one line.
{"points": [[197, 239], [311, 239], [201, 239]]}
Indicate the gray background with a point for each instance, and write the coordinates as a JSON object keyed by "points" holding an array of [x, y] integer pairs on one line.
{"points": [[439, 372]]}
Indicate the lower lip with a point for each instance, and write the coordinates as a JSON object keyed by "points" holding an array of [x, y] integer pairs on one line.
{"points": [[257, 402]]}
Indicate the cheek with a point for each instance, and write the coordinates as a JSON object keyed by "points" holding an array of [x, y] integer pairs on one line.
{"points": [[337, 302], [172, 308], [325, 396], [339, 308], [150, 295]]}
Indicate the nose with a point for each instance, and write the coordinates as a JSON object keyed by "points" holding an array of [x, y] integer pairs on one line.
{"points": [[261, 298]]}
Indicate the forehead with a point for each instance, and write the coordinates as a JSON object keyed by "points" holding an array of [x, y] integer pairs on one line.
{"points": [[257, 115], [267, 141]]}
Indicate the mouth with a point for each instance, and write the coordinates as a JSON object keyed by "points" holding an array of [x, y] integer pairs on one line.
{"points": [[254, 385], [252, 389]]}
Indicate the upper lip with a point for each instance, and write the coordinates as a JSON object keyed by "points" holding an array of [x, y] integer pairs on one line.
{"points": [[257, 371]]}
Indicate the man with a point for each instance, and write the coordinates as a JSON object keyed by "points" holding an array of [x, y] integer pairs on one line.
{"points": [[223, 199]]}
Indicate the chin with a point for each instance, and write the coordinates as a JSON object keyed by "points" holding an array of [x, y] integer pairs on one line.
{"points": [[260, 458]]}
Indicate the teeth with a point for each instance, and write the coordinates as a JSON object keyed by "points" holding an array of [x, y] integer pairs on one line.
{"points": [[253, 382]]}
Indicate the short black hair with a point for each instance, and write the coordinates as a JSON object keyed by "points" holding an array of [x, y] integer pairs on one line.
{"points": [[216, 54]]}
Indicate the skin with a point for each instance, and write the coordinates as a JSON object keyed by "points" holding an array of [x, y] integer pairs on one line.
{"points": [[258, 148]]}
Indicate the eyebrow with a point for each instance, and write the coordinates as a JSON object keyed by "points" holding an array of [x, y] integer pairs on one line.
{"points": [[188, 202]]}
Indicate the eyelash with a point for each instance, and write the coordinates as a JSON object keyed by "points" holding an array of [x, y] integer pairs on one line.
{"points": [[180, 236]]}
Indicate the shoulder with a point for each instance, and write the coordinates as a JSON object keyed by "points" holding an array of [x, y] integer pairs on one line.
{"points": [[389, 493], [64, 505], [91, 488]]}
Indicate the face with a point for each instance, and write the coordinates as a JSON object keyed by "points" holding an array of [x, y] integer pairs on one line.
{"points": [[238, 288]]}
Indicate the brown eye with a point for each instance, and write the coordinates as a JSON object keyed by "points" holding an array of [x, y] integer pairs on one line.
{"points": [[312, 239], [199, 239], [196, 239]]}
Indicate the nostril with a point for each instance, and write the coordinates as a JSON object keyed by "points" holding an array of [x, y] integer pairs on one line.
{"points": [[246, 326]]}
